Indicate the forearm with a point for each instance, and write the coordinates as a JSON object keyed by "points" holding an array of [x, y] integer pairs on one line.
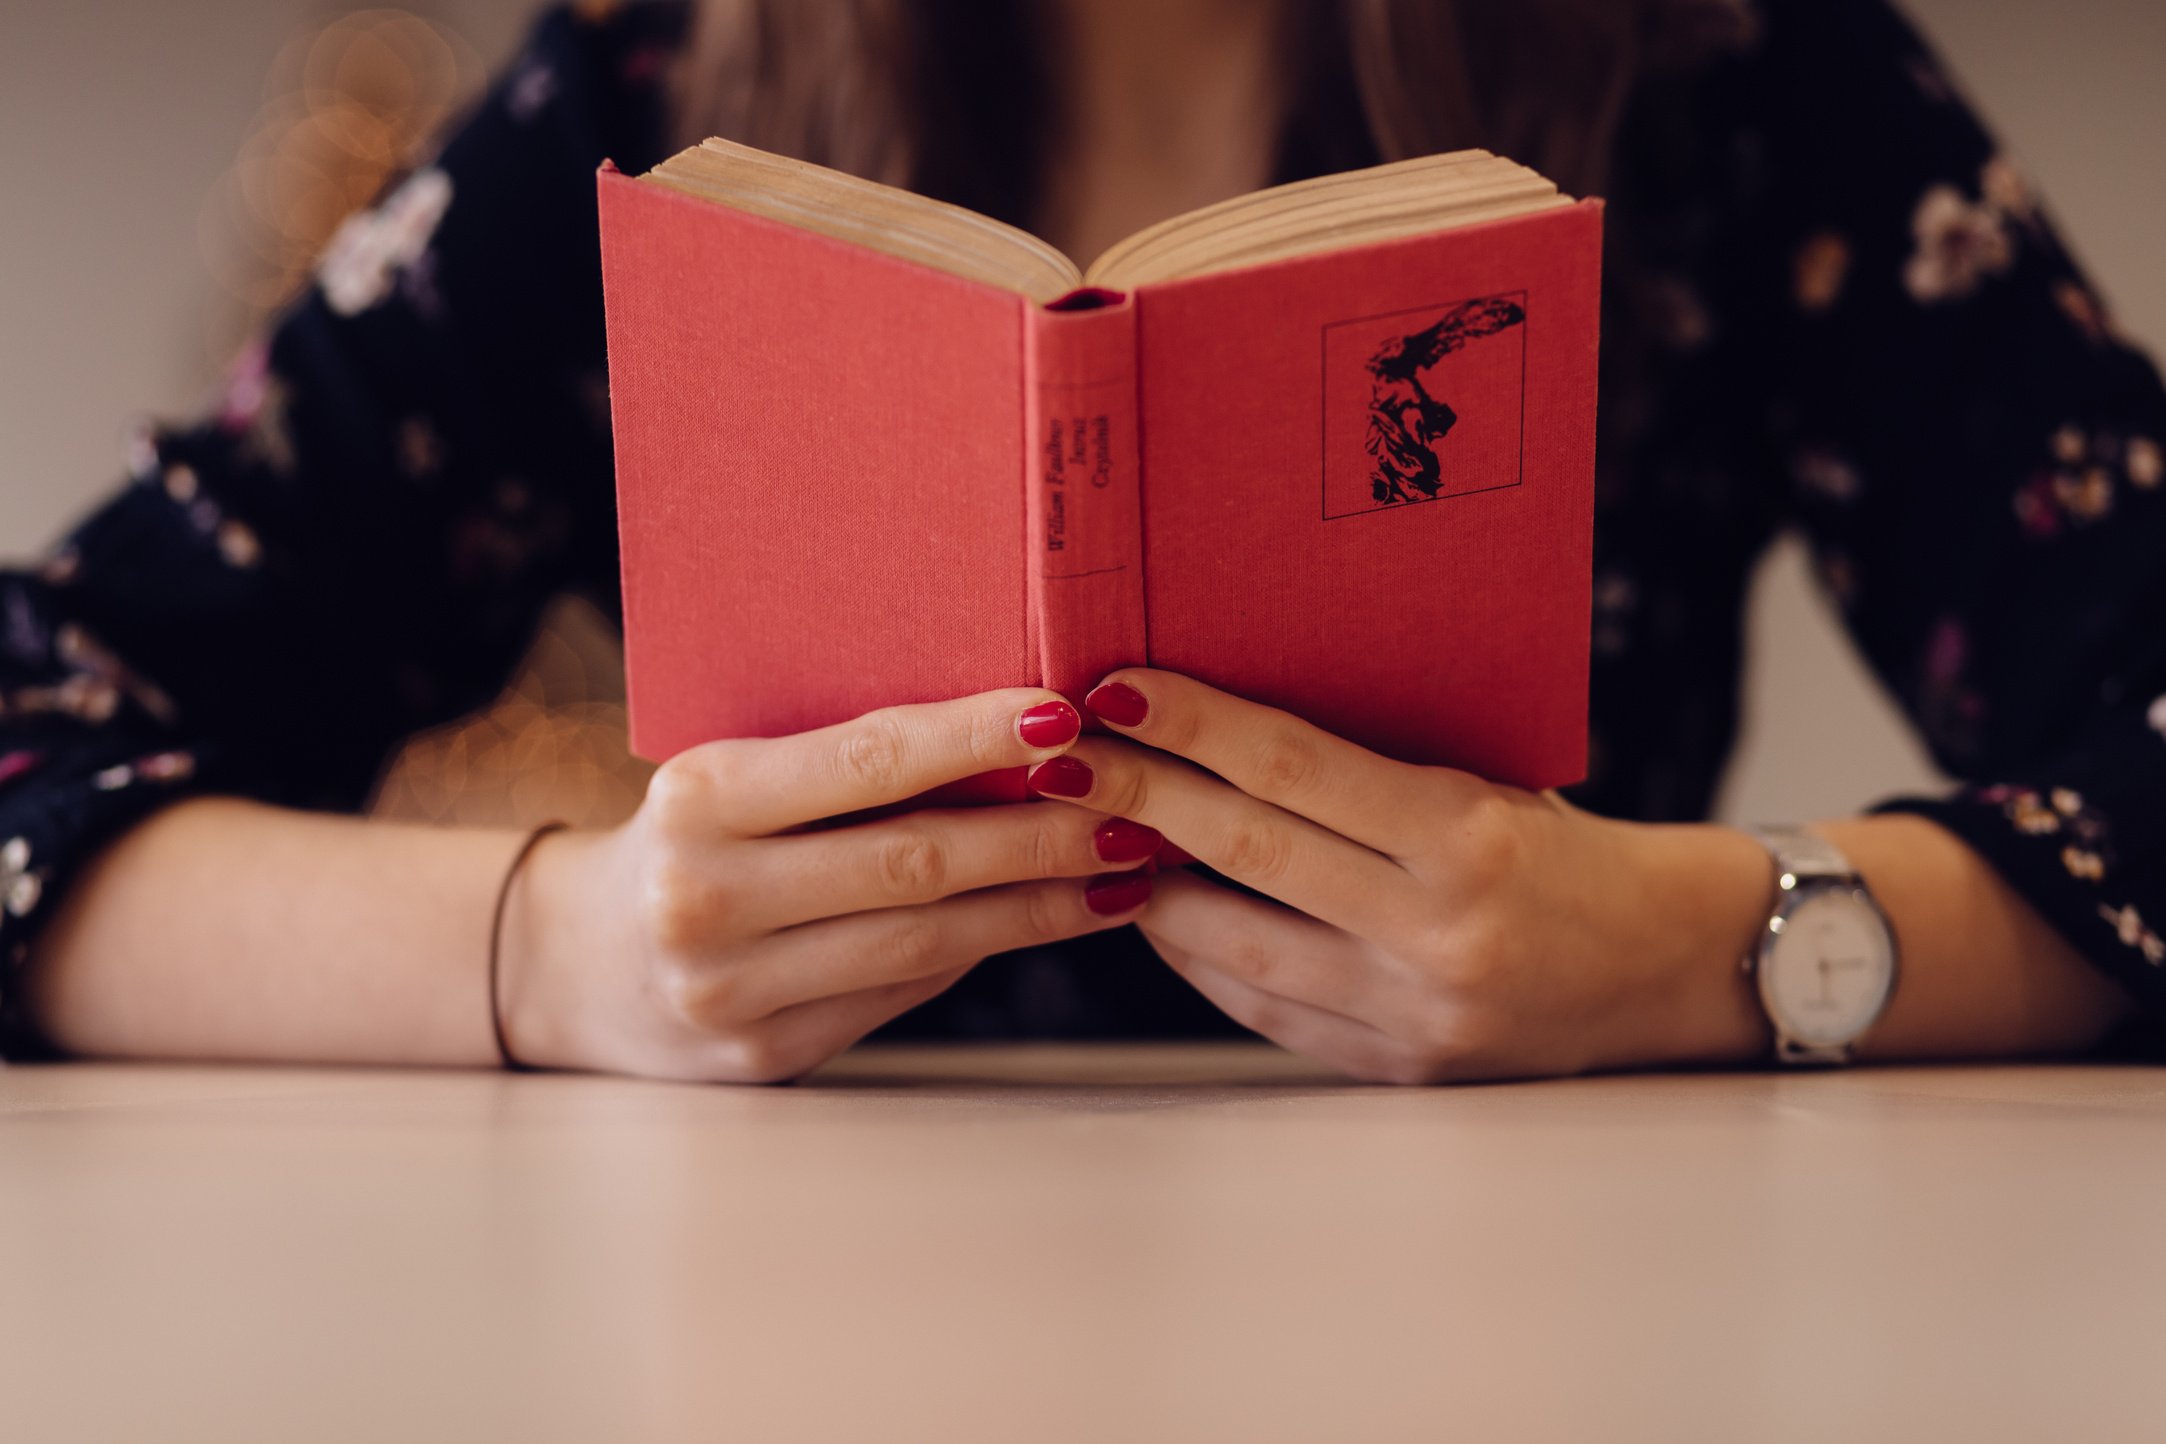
{"points": [[1983, 976], [226, 930]]}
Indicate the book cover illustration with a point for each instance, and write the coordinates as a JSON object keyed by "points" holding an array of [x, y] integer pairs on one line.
{"points": [[1423, 403]]}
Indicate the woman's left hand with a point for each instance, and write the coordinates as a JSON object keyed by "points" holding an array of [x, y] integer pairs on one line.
{"points": [[1434, 926]]}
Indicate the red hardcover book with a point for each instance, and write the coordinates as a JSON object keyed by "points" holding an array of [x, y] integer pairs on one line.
{"points": [[1329, 446]]}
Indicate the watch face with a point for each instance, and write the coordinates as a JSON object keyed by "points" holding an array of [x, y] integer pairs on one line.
{"points": [[1827, 973]]}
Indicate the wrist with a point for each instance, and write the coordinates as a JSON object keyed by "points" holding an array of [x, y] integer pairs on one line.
{"points": [[1706, 890], [545, 950]]}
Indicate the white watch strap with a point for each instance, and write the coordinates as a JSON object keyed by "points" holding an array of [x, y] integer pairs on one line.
{"points": [[1804, 854]]}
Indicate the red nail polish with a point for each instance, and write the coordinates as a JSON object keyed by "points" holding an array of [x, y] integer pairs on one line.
{"points": [[1119, 840], [1118, 703], [1049, 724], [1112, 896], [1062, 777]]}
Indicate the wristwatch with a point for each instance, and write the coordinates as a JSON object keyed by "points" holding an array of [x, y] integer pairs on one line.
{"points": [[1826, 963]]}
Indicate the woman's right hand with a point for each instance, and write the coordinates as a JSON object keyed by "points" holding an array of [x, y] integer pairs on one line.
{"points": [[718, 936]]}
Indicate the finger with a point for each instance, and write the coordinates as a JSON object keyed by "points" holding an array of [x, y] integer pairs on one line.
{"points": [[1269, 754], [1252, 842], [1270, 948], [758, 786], [847, 954], [924, 856], [799, 1039], [1352, 1047]]}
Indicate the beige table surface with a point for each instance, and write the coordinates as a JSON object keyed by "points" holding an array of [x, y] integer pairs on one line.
{"points": [[1081, 1244]]}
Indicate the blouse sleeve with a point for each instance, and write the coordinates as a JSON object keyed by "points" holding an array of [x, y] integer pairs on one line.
{"points": [[1975, 454], [357, 541]]}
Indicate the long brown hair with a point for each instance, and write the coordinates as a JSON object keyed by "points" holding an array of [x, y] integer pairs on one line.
{"points": [[946, 96]]}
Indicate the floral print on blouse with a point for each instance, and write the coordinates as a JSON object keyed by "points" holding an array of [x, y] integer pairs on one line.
{"points": [[1834, 306]]}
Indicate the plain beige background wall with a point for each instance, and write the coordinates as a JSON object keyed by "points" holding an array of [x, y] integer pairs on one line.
{"points": [[118, 116]]}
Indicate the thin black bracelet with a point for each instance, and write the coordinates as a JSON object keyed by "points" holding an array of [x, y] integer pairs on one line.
{"points": [[496, 941]]}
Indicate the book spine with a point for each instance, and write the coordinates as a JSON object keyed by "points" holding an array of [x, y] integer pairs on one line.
{"points": [[1085, 504]]}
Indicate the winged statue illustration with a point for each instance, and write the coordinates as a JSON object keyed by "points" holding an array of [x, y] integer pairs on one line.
{"points": [[1406, 423]]}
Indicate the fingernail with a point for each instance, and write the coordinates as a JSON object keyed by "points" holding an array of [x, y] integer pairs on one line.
{"points": [[1118, 703], [1062, 777], [1049, 724], [1121, 893], [1119, 840]]}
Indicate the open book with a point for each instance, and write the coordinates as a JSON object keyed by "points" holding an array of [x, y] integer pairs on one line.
{"points": [[1329, 445]]}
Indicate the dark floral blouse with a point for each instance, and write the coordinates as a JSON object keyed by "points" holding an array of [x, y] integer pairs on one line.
{"points": [[1834, 306]]}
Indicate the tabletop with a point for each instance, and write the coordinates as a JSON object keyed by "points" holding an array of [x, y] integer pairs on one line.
{"points": [[1081, 1243]]}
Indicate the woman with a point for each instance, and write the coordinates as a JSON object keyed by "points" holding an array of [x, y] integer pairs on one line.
{"points": [[1832, 306]]}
